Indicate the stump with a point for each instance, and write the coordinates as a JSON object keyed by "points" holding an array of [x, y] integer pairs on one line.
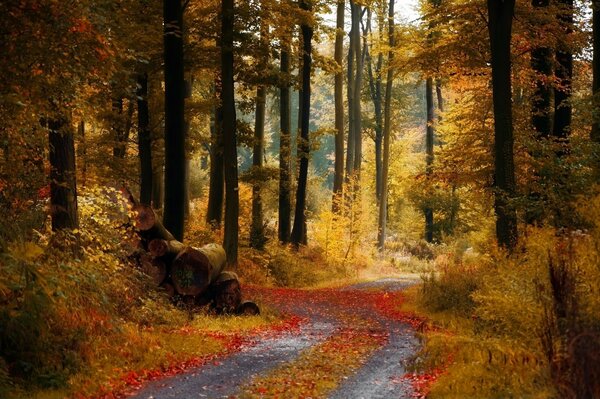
{"points": [[248, 308]]}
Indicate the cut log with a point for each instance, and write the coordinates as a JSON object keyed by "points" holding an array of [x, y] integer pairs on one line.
{"points": [[227, 293], [248, 308], [149, 225], [194, 269], [159, 247], [155, 268]]}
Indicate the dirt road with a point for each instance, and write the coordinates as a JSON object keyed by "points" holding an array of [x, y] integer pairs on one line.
{"points": [[366, 308]]}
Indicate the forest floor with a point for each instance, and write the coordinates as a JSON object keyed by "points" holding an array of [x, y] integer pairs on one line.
{"points": [[350, 342]]}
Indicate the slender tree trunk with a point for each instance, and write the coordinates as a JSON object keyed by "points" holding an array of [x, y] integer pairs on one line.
{"points": [[285, 149], [158, 183], [500, 15], [375, 88], [381, 233], [595, 135], [83, 152], [144, 140], [357, 104], [429, 137], [338, 178], [214, 212], [299, 230], [63, 182], [440, 98], [257, 233], [564, 73], [541, 63], [351, 98], [230, 240], [117, 125], [174, 212]]}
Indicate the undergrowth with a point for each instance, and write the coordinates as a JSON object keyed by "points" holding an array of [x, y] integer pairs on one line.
{"points": [[524, 326], [76, 316]]}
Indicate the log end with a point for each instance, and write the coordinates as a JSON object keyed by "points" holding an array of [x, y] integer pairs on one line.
{"points": [[190, 272], [158, 247], [145, 217]]}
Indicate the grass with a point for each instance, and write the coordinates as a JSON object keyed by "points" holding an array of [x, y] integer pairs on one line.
{"points": [[117, 362]]}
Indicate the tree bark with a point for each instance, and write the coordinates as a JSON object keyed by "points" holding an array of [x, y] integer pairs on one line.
{"points": [[158, 188], [338, 178], [299, 230], [214, 212], [350, 143], [63, 182], [357, 104], [285, 148], [375, 87], [117, 125], [429, 137], [541, 104], [230, 240], [564, 73], [500, 15], [257, 233], [175, 154], [144, 140], [381, 232], [595, 135]]}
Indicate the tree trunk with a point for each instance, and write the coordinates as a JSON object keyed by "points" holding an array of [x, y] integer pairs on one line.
{"points": [[63, 182], [175, 154], [440, 98], [381, 233], [214, 212], [285, 149], [500, 15], [82, 155], [144, 140], [541, 63], [357, 104], [338, 178], [595, 135], [158, 188], [299, 230], [564, 74], [429, 137], [257, 233], [375, 89], [117, 125], [230, 241], [351, 98]]}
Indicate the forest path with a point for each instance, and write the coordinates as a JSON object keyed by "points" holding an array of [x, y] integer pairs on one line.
{"points": [[329, 316]]}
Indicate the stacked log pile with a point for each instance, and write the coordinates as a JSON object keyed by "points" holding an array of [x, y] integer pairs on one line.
{"points": [[188, 274]]}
